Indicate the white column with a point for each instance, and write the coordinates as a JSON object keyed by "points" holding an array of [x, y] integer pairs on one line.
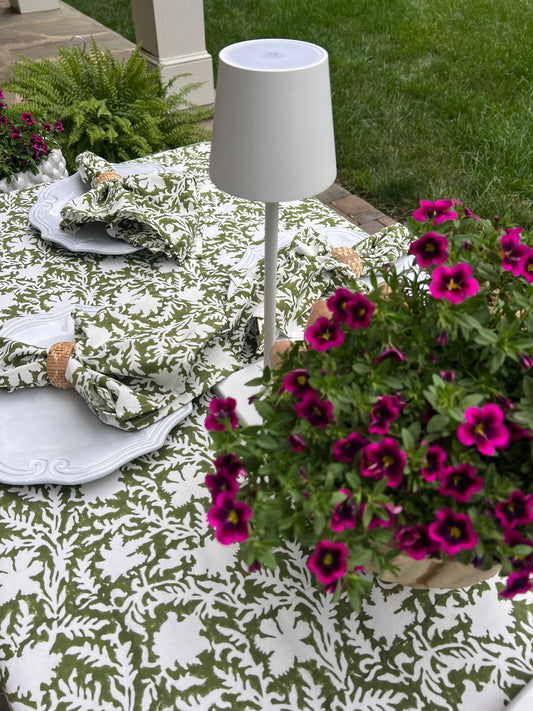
{"points": [[172, 35], [22, 6]]}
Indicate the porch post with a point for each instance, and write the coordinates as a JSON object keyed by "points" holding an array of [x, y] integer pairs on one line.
{"points": [[172, 36]]}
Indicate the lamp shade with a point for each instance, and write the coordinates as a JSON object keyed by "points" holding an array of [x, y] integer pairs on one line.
{"points": [[273, 137]]}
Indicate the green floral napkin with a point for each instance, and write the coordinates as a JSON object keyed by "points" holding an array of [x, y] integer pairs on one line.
{"points": [[158, 211], [132, 365]]}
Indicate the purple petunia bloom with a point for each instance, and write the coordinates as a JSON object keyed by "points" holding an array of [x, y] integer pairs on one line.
{"points": [[297, 382], [324, 334], [328, 561], [221, 414], [442, 338], [359, 311], [229, 518], [27, 118], [460, 482], [484, 427], [453, 531], [433, 464], [345, 450], [383, 413], [453, 283], [513, 253], [415, 541], [384, 459], [429, 249], [527, 266], [393, 353], [58, 126], [297, 443], [316, 411], [219, 482], [343, 515], [518, 582], [469, 213], [229, 464], [338, 302], [516, 511], [438, 211]]}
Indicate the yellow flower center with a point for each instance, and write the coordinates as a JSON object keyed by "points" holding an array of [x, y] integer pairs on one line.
{"points": [[232, 517], [301, 380], [452, 285], [388, 460], [455, 532], [328, 559]]}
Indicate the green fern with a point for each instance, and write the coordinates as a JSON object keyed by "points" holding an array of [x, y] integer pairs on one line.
{"points": [[119, 110]]}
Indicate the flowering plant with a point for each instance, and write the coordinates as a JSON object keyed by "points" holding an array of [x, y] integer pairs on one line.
{"points": [[24, 142], [401, 425]]}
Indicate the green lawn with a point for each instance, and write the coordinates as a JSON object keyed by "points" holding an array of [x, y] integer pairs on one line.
{"points": [[431, 99]]}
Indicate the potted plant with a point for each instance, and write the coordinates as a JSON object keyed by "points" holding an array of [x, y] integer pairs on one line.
{"points": [[400, 427], [30, 153]]}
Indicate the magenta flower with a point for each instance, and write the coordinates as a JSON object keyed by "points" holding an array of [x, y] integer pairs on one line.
{"points": [[384, 459], [442, 338], [383, 413], [328, 561], [359, 311], [219, 482], [453, 283], [469, 213], [338, 302], [297, 443], [58, 126], [221, 414], [415, 541], [438, 211], [345, 450], [393, 353], [429, 249], [484, 427], [527, 266], [27, 118], [324, 334], [229, 518], [460, 482], [513, 253], [297, 382], [316, 411], [519, 582], [452, 531], [229, 464], [433, 464], [343, 515], [516, 511]]}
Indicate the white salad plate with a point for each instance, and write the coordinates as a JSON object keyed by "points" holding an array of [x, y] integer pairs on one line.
{"points": [[49, 436], [45, 214]]}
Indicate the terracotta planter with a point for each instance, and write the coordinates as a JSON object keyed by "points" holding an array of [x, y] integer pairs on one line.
{"points": [[433, 573], [53, 168]]}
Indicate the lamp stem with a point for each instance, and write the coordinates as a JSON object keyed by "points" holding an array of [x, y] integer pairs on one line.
{"points": [[271, 261]]}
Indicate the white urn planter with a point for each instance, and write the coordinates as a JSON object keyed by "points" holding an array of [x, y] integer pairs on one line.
{"points": [[22, 6], [52, 168]]}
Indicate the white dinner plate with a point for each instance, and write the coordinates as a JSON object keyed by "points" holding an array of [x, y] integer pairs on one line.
{"points": [[49, 436], [45, 214]]}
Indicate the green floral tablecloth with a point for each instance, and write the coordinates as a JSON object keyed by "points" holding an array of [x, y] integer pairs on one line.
{"points": [[114, 593]]}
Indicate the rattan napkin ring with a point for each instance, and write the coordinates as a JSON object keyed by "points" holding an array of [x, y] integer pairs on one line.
{"points": [[56, 364], [108, 176], [347, 255]]}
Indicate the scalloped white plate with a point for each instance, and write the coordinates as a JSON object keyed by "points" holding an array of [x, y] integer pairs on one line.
{"points": [[49, 436], [45, 214]]}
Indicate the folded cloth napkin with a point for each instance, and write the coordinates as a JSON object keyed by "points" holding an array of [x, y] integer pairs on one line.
{"points": [[132, 365], [158, 211]]}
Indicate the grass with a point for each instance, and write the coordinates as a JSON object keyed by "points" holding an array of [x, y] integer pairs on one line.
{"points": [[431, 99]]}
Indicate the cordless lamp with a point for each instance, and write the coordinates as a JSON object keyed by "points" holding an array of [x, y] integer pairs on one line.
{"points": [[272, 135]]}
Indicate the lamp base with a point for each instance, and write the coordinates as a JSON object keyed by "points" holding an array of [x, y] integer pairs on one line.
{"points": [[235, 386]]}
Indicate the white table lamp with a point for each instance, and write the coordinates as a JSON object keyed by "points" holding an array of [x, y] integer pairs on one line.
{"points": [[272, 135]]}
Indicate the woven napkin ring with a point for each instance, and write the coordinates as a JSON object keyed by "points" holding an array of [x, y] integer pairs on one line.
{"points": [[346, 255], [108, 176], [56, 364]]}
